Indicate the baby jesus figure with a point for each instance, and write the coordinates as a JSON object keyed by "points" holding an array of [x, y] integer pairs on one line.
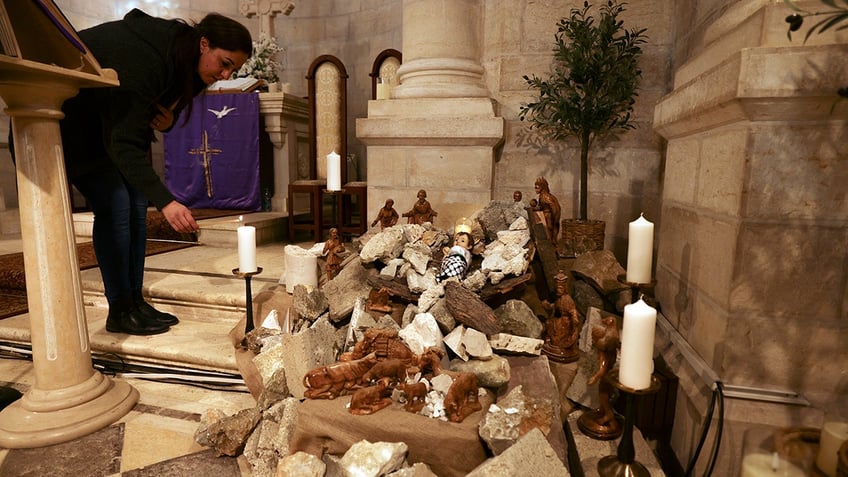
{"points": [[457, 258]]}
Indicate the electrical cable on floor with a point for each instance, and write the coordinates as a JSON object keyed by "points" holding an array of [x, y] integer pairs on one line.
{"points": [[717, 395]]}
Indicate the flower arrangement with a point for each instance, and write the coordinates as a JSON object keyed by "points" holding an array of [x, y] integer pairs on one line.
{"points": [[262, 64]]}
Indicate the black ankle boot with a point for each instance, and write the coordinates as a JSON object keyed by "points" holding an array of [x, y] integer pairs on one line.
{"points": [[150, 314], [132, 323]]}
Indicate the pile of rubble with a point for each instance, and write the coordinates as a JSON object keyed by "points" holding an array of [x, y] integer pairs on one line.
{"points": [[389, 283]]}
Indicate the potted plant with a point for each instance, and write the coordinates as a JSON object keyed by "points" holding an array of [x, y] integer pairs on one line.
{"points": [[590, 92]]}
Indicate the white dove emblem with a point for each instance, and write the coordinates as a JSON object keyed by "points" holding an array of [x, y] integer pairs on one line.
{"points": [[223, 112]]}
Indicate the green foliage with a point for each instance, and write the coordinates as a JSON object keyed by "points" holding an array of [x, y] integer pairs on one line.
{"points": [[832, 19], [593, 84]]}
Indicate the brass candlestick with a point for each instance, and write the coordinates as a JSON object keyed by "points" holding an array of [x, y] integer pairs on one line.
{"points": [[248, 296], [645, 291], [623, 463]]}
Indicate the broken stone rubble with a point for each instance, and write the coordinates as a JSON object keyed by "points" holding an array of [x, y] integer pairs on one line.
{"points": [[333, 317]]}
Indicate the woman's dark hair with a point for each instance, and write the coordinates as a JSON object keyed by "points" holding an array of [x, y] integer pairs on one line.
{"points": [[221, 32]]}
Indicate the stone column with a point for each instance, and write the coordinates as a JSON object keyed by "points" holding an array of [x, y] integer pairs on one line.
{"points": [[752, 248], [69, 399], [287, 124], [441, 50], [439, 130]]}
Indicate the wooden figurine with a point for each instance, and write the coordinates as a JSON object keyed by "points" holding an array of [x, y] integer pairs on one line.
{"points": [[334, 250], [421, 212], [601, 423], [562, 327], [462, 399], [328, 382], [371, 399], [549, 207], [387, 216]]}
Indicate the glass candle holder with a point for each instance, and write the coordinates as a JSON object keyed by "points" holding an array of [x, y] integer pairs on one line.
{"points": [[776, 452]]}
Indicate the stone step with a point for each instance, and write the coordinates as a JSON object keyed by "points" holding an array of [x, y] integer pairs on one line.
{"points": [[217, 232], [222, 232]]}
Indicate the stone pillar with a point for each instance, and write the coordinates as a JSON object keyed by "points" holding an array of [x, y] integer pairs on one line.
{"points": [[287, 124], [751, 257], [439, 130], [69, 399], [441, 50]]}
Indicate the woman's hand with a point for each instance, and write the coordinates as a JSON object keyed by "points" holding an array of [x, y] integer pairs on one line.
{"points": [[179, 217], [163, 120]]}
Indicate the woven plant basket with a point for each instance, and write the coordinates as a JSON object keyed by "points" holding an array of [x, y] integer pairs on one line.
{"points": [[581, 236]]}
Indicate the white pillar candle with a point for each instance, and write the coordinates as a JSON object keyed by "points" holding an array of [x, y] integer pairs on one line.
{"points": [[640, 250], [833, 435], [382, 89], [765, 465], [334, 171], [247, 248], [637, 345]]}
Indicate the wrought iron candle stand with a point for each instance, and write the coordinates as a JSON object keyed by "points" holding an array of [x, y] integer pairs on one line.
{"points": [[623, 463], [645, 291], [248, 296]]}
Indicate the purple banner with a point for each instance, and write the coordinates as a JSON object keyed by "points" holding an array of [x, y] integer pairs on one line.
{"points": [[212, 162]]}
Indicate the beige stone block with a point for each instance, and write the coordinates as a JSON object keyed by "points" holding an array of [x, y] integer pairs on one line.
{"points": [[513, 69], [503, 34], [470, 168], [798, 171], [721, 171], [624, 170], [539, 24], [791, 271], [681, 170], [387, 167], [800, 355], [706, 328], [700, 248]]}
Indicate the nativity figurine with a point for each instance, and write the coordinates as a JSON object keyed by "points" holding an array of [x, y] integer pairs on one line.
{"points": [[457, 258], [421, 212], [601, 423], [372, 398], [462, 398], [336, 379], [550, 209], [562, 327], [335, 250], [387, 217]]}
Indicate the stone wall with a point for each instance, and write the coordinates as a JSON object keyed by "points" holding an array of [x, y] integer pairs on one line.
{"points": [[751, 258]]}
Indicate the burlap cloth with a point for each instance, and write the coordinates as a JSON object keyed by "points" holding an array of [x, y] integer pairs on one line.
{"points": [[273, 298], [450, 449]]}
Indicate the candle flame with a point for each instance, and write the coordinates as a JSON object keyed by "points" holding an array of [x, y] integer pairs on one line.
{"points": [[241, 218]]}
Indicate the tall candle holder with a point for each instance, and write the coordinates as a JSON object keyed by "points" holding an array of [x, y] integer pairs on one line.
{"points": [[643, 290], [624, 463], [248, 296], [334, 207]]}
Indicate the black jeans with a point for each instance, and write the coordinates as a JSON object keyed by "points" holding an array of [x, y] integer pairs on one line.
{"points": [[120, 231]]}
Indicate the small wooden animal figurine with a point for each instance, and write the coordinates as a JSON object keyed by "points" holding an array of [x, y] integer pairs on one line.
{"points": [[422, 211], [328, 382], [393, 369], [387, 216], [371, 399], [416, 396], [462, 399]]}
